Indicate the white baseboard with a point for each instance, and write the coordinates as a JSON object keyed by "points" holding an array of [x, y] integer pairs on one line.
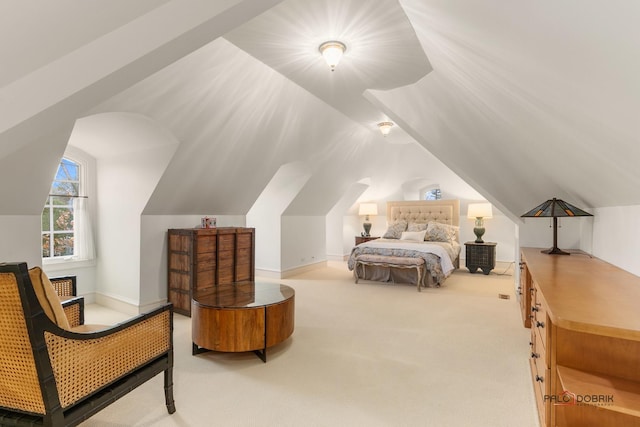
{"points": [[126, 307], [89, 297], [270, 274], [116, 304], [303, 269], [337, 257], [273, 274]]}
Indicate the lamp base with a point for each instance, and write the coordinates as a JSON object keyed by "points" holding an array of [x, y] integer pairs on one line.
{"points": [[555, 251], [479, 231], [367, 228]]}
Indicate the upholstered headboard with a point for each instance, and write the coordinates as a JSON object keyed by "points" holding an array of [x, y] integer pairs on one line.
{"points": [[443, 211]]}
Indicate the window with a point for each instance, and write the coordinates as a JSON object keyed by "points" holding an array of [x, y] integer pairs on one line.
{"points": [[58, 234], [432, 194]]}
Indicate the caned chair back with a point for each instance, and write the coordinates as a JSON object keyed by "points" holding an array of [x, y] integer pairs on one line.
{"points": [[18, 373]]}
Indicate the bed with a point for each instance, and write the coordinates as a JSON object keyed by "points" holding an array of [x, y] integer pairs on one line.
{"points": [[421, 245]]}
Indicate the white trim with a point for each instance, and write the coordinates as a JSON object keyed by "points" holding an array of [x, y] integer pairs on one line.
{"points": [[121, 305], [117, 304], [66, 263], [337, 257], [273, 274], [303, 269]]}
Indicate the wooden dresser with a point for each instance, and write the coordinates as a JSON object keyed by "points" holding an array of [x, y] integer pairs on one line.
{"points": [[585, 339], [201, 258]]}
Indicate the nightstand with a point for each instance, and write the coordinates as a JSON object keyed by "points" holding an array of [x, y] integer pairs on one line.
{"points": [[362, 239], [480, 255]]}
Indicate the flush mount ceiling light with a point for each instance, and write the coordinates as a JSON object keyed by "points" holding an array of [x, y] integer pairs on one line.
{"points": [[332, 52], [385, 127]]}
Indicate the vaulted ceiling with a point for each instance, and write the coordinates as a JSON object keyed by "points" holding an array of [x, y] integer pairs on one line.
{"points": [[522, 101]]}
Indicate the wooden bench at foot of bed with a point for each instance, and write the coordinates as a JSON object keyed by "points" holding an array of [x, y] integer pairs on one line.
{"points": [[390, 261]]}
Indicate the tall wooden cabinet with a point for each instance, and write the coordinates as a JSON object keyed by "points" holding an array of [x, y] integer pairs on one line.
{"points": [[585, 340], [201, 258]]}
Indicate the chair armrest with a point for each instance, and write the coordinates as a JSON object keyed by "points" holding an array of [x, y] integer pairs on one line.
{"points": [[74, 310], [84, 363]]}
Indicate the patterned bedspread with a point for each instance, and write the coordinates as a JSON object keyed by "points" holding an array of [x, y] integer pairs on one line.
{"points": [[437, 255]]}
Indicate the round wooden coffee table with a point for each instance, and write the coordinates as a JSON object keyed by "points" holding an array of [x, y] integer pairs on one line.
{"points": [[243, 316]]}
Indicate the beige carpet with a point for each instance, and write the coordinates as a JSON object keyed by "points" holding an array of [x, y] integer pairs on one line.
{"points": [[366, 354]]}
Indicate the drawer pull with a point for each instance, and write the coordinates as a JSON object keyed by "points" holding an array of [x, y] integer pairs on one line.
{"points": [[540, 324], [534, 355], [539, 379], [535, 309]]}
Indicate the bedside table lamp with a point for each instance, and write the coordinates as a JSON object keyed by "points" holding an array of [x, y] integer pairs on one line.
{"points": [[555, 208], [367, 209], [479, 211]]}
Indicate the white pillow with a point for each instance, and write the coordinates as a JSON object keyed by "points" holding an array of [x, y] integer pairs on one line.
{"points": [[418, 236]]}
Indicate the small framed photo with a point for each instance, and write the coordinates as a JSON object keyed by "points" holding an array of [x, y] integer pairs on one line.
{"points": [[208, 222]]}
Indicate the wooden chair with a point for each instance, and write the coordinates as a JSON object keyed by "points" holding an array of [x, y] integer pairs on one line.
{"points": [[53, 375]]}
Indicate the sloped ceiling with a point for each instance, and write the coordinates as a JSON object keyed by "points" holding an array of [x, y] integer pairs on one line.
{"points": [[529, 101], [35, 33], [524, 101]]}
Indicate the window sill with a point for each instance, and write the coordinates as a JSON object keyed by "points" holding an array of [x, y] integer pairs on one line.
{"points": [[66, 263]]}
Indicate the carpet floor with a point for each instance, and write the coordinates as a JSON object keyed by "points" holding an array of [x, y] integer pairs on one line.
{"points": [[367, 354]]}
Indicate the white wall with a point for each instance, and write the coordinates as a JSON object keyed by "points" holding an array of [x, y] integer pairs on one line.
{"points": [[21, 239], [126, 179], [499, 229], [303, 241], [573, 233], [340, 228], [85, 272], [124, 186], [266, 213], [616, 236]]}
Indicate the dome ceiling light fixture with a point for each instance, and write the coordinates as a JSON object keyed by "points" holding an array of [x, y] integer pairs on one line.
{"points": [[332, 51], [385, 127]]}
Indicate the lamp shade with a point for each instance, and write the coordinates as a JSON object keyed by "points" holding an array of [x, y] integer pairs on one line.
{"points": [[368, 209], [479, 210], [555, 208]]}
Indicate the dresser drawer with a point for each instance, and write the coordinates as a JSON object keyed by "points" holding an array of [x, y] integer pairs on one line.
{"points": [[538, 350], [539, 393], [539, 322]]}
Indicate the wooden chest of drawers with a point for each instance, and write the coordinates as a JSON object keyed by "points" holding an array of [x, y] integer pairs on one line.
{"points": [[201, 258], [585, 340]]}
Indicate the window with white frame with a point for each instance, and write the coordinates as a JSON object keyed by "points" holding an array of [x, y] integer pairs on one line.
{"points": [[66, 231]]}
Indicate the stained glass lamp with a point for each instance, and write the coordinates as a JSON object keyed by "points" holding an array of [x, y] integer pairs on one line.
{"points": [[555, 208]]}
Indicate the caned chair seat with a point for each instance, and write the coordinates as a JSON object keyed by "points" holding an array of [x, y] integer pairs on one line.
{"points": [[52, 373]]}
